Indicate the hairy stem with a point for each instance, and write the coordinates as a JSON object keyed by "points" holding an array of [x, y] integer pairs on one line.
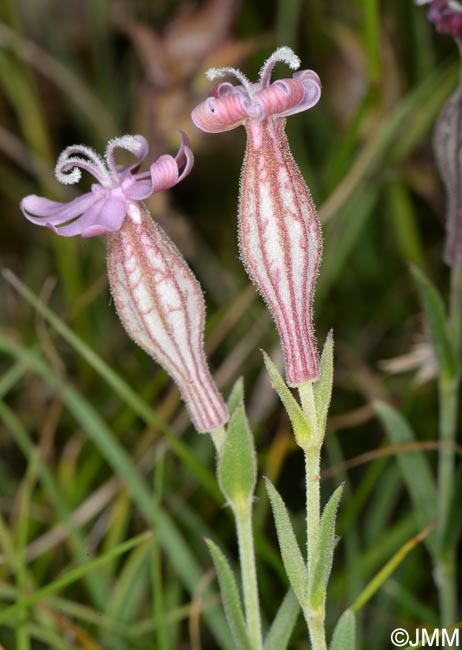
{"points": [[314, 616], [243, 514]]}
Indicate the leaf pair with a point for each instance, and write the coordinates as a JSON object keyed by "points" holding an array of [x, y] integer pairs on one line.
{"points": [[310, 591], [308, 424], [281, 629]]}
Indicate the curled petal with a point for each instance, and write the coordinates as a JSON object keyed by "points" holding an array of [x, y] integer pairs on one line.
{"points": [[217, 114], [311, 84], [184, 157], [281, 97], [44, 212], [222, 90], [163, 173]]}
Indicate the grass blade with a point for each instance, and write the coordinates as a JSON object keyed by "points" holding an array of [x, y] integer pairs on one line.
{"points": [[413, 464], [392, 564], [71, 576]]}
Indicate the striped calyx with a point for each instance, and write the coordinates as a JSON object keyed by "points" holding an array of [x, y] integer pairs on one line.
{"points": [[279, 233], [280, 242], [160, 304], [448, 152]]}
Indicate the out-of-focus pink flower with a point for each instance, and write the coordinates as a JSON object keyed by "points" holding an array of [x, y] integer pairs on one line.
{"points": [[158, 299], [279, 232], [447, 143], [446, 15]]}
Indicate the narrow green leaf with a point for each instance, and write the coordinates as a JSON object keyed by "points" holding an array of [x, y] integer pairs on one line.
{"points": [[372, 38], [300, 424], [71, 576], [290, 550], [325, 552], [236, 396], [322, 388], [413, 465], [230, 595], [343, 637], [237, 466], [436, 321], [403, 214], [279, 634], [385, 572]]}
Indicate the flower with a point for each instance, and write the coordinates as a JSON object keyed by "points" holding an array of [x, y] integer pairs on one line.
{"points": [[446, 15], [104, 208], [157, 298], [279, 233]]}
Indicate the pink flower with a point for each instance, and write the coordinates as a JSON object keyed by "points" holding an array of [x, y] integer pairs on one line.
{"points": [[157, 298], [104, 208], [446, 15], [279, 233]]}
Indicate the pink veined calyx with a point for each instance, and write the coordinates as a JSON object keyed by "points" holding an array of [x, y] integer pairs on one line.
{"points": [[279, 233], [157, 298]]}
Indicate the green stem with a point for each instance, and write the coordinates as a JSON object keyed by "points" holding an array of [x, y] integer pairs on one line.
{"points": [[448, 396], [243, 514], [314, 616], [313, 507]]}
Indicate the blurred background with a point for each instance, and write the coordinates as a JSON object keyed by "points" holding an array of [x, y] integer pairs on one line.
{"points": [[85, 71]]}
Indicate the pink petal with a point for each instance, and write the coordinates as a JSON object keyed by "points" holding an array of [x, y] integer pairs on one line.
{"points": [[139, 190], [280, 97], [105, 215], [221, 113], [42, 211], [311, 85], [164, 173], [184, 156]]}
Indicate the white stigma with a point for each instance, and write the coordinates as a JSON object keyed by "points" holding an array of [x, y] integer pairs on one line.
{"points": [[281, 55]]}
